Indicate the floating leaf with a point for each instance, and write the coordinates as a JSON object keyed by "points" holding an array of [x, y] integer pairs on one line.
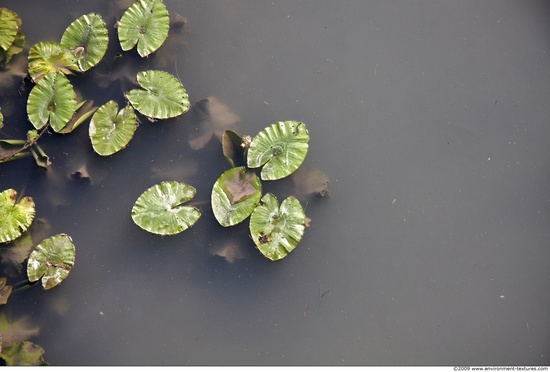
{"points": [[233, 148], [87, 38], [15, 48], [24, 353], [162, 95], [9, 25], [145, 23], [15, 218], [14, 253], [280, 148], [235, 195], [110, 130], [47, 56], [161, 210], [52, 260], [277, 230], [51, 100]]}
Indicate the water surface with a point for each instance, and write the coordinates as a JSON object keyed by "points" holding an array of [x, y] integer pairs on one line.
{"points": [[431, 120]]}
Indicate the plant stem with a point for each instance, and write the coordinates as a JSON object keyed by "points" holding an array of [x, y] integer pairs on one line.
{"points": [[22, 285], [5, 156]]}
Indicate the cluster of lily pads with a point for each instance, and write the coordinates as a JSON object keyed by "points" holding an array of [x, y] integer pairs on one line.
{"points": [[278, 150], [52, 102], [274, 153]]}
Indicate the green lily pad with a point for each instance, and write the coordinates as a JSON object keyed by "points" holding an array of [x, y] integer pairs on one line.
{"points": [[46, 57], [51, 100], [145, 23], [13, 254], [277, 230], [52, 260], [87, 38], [111, 130], [24, 353], [235, 195], [280, 148], [15, 217], [162, 96], [161, 210], [6, 32], [9, 26]]}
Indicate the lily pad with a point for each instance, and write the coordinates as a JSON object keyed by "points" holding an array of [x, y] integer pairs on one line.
{"points": [[52, 260], [15, 217], [6, 33], [51, 100], [280, 149], [46, 57], [24, 353], [235, 195], [161, 210], [87, 38], [9, 26], [145, 23], [13, 254], [277, 230], [111, 130], [162, 96]]}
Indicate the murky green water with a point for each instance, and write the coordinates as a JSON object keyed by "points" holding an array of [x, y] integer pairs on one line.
{"points": [[431, 120]]}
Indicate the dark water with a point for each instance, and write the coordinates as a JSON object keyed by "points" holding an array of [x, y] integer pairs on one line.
{"points": [[431, 120]]}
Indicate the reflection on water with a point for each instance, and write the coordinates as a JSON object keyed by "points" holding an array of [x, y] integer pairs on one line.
{"points": [[431, 248]]}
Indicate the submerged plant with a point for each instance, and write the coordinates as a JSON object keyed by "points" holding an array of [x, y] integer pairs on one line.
{"points": [[15, 349]]}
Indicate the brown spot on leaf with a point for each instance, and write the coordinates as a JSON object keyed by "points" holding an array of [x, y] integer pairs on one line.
{"points": [[240, 186]]}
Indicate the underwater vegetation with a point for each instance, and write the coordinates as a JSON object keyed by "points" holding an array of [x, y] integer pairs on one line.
{"points": [[166, 208]]}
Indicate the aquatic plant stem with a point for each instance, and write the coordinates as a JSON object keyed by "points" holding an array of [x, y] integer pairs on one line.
{"points": [[6, 156]]}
